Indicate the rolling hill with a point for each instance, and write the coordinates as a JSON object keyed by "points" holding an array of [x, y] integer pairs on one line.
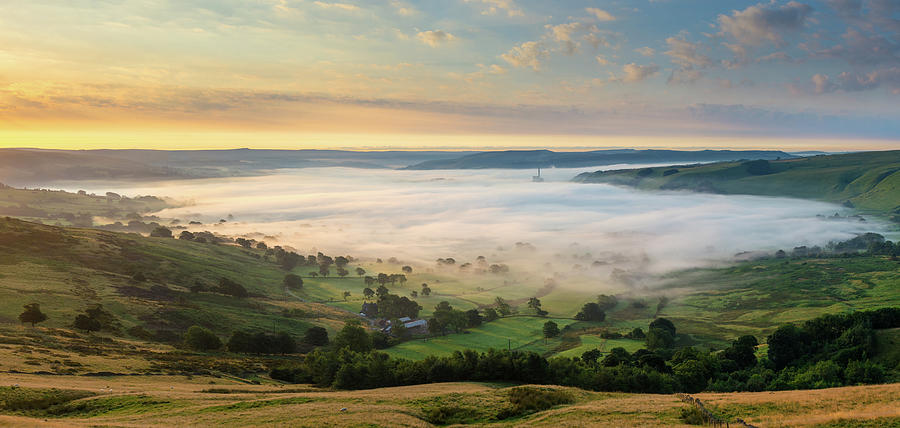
{"points": [[525, 159], [867, 180]]}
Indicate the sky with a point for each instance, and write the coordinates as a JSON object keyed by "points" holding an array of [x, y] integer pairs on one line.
{"points": [[450, 74]]}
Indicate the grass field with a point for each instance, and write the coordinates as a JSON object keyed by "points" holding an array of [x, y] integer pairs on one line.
{"points": [[205, 401], [867, 180]]}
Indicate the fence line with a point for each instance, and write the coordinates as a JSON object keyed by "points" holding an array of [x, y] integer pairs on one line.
{"points": [[708, 417]]}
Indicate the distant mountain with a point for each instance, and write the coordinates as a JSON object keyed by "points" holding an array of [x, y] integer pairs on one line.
{"points": [[527, 159], [25, 167], [867, 180]]}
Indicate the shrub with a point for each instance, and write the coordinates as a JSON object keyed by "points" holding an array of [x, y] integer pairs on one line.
{"points": [[529, 399], [692, 416]]}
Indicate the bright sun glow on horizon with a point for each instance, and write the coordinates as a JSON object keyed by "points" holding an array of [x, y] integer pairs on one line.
{"points": [[377, 142]]}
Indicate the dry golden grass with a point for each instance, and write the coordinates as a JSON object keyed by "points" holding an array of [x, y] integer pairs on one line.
{"points": [[271, 405]]}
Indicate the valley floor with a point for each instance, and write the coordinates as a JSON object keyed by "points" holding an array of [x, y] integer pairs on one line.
{"points": [[209, 401]]}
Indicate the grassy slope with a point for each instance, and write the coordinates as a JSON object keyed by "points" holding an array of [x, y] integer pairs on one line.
{"points": [[176, 401], [66, 269], [869, 180], [709, 306], [53, 203]]}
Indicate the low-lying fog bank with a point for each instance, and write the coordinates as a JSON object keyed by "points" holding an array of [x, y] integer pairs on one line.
{"points": [[419, 216]]}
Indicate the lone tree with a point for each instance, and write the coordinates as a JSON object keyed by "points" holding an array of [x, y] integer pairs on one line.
{"points": [[360, 271], [407, 269], [368, 293], [293, 282], [346, 294], [201, 339], [551, 329], [32, 314]]}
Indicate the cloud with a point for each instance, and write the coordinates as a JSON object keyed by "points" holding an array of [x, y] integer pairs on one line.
{"points": [[636, 73], [340, 6], [859, 49], [847, 8], [646, 51], [403, 8], [686, 54], [564, 33], [528, 54], [602, 60], [600, 14], [685, 76], [492, 7], [822, 84], [434, 38], [764, 23], [596, 40], [888, 78]]}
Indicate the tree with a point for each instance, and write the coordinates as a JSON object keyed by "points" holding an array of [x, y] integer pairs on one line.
{"points": [[607, 302], [341, 261], [535, 303], [316, 336], [473, 318], [406, 269], [659, 338], [502, 307], [383, 278], [426, 291], [551, 329], [262, 246], [32, 314], [591, 312], [368, 293], [323, 270], [490, 314], [86, 323], [342, 272], [293, 282], [354, 337], [201, 339], [346, 295], [95, 318], [382, 291], [663, 324], [231, 288], [161, 232], [692, 375], [414, 294], [283, 343], [369, 281], [360, 272], [187, 236], [786, 345]]}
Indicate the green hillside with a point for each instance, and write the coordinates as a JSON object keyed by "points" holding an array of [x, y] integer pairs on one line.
{"points": [[869, 180], [79, 209], [145, 283]]}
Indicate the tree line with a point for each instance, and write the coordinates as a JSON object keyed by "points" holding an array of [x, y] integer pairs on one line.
{"points": [[828, 351]]}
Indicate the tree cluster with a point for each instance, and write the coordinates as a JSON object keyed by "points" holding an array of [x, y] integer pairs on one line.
{"points": [[827, 351]]}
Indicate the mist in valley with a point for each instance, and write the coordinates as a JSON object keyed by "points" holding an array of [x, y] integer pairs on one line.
{"points": [[594, 230]]}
